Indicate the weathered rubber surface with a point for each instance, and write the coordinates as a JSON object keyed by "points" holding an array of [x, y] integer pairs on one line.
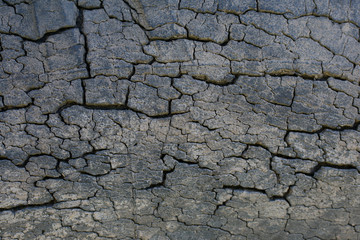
{"points": [[179, 119]]}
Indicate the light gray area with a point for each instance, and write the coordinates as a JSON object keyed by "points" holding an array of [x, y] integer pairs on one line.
{"points": [[179, 119]]}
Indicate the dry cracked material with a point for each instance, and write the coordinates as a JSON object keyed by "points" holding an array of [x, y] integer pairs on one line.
{"points": [[179, 119]]}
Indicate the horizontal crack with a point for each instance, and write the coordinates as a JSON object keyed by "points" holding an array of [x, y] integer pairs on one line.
{"points": [[331, 165], [114, 107], [30, 206]]}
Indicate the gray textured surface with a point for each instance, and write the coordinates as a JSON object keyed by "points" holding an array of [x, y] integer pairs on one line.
{"points": [[169, 119]]}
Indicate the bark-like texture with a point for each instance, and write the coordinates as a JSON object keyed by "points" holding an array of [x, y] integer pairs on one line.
{"points": [[179, 119]]}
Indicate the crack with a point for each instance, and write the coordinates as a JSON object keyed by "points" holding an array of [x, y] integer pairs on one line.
{"points": [[304, 15], [326, 47], [43, 38], [9, 108], [26, 161], [114, 107], [48, 34], [127, 96], [164, 181], [243, 189], [330, 165], [285, 195], [30, 206], [278, 176], [313, 171], [160, 184], [355, 126], [224, 202], [80, 26], [323, 128]]}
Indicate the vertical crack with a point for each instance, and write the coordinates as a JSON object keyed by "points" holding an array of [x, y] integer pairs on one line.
{"points": [[80, 26]]}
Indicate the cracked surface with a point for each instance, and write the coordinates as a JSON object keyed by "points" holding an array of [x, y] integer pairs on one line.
{"points": [[179, 119]]}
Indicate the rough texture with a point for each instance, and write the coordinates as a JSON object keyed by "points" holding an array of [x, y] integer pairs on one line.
{"points": [[179, 119]]}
